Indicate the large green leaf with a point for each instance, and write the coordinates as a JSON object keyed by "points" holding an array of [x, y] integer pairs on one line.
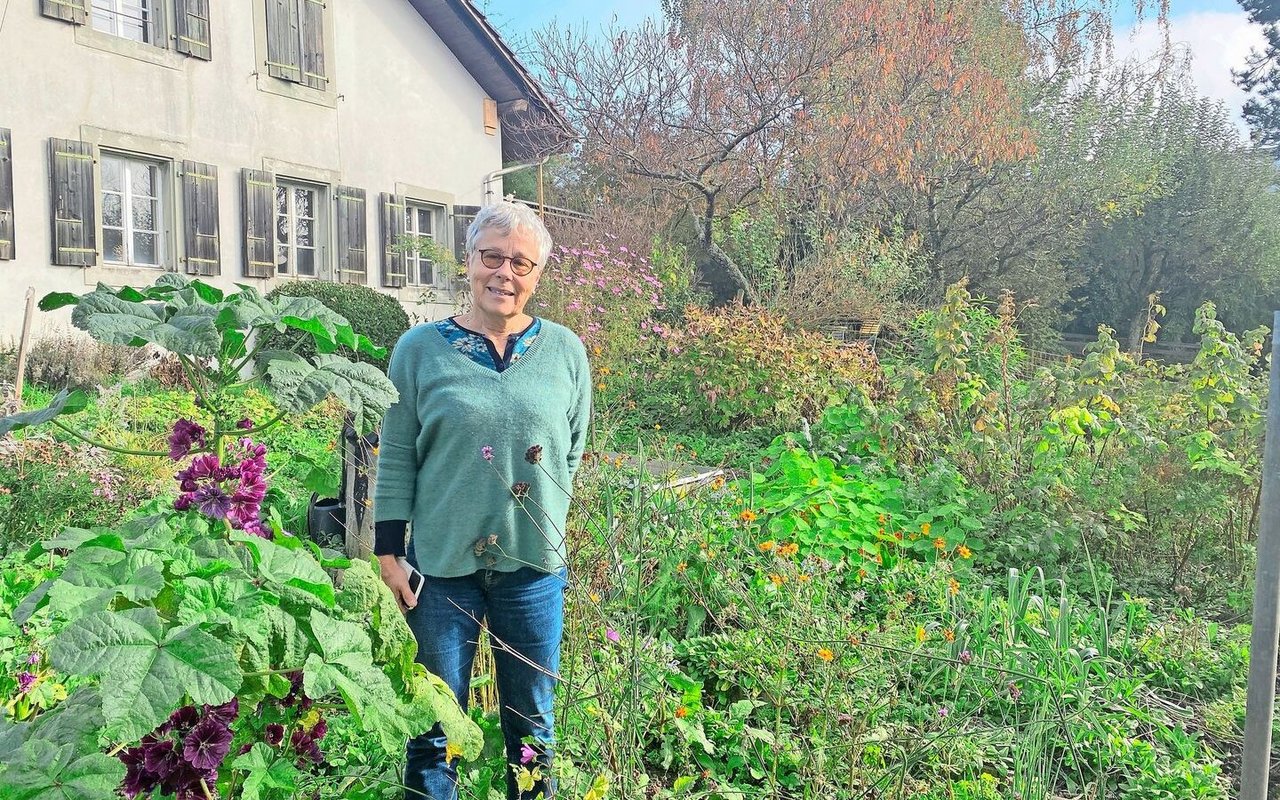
{"points": [[362, 388], [285, 567], [431, 701], [64, 402], [109, 318], [46, 771], [146, 670]]}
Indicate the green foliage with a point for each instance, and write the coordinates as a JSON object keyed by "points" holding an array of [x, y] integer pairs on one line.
{"points": [[378, 315]]}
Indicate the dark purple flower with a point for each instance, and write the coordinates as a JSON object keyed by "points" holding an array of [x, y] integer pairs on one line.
{"points": [[183, 501], [534, 454], [273, 734], [184, 718], [319, 730], [486, 452], [966, 657], [25, 681], [137, 778], [227, 712], [207, 744], [160, 758], [186, 436], [305, 746], [245, 424], [520, 490], [212, 501]]}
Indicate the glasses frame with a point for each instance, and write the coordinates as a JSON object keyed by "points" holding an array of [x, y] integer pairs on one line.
{"points": [[516, 261]]}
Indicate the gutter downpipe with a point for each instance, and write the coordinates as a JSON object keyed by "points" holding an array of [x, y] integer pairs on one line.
{"points": [[487, 192]]}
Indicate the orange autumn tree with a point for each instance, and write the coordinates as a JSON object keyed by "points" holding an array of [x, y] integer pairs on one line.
{"points": [[816, 104]]}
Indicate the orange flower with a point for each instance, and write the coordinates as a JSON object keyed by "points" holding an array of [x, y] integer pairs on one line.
{"points": [[803, 578], [948, 634], [825, 654], [788, 550], [963, 551], [940, 543], [747, 515], [717, 483], [682, 712], [681, 567], [776, 579], [953, 587], [767, 546], [925, 528], [854, 640], [882, 519]]}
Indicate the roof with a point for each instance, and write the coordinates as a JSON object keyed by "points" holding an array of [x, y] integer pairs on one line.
{"points": [[530, 129]]}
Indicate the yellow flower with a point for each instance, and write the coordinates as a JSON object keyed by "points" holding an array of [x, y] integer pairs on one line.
{"points": [[825, 654], [953, 587], [803, 578], [964, 552], [657, 427], [813, 481], [776, 579], [681, 567], [604, 370], [711, 554], [940, 543], [788, 550], [593, 597], [881, 519], [596, 350], [925, 528], [948, 634], [765, 546], [452, 751], [717, 483], [747, 515], [600, 386], [921, 635]]}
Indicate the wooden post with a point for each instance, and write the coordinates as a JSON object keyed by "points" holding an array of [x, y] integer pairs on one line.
{"points": [[1260, 699], [24, 344], [359, 470], [542, 212]]}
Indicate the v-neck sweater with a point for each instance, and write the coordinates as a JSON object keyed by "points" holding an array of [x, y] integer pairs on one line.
{"points": [[452, 452]]}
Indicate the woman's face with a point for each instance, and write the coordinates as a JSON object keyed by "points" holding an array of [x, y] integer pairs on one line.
{"points": [[501, 293]]}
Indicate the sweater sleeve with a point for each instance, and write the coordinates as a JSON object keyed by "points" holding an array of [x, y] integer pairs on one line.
{"points": [[396, 487], [580, 412]]}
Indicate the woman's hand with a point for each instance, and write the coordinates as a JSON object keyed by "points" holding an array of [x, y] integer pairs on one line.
{"points": [[397, 581]]}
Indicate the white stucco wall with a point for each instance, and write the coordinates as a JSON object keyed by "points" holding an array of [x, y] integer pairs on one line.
{"points": [[401, 112]]}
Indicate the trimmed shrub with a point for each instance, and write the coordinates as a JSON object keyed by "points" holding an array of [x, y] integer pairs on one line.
{"points": [[378, 316]]}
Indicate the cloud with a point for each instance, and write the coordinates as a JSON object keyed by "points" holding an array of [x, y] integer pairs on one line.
{"points": [[1217, 42]]}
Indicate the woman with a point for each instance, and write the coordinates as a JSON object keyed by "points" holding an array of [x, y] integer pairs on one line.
{"points": [[478, 454]]}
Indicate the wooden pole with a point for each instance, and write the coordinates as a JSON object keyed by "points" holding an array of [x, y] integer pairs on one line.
{"points": [[23, 345], [542, 211], [1259, 706]]}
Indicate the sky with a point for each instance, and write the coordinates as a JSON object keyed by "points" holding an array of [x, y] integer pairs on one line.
{"points": [[1215, 33]]}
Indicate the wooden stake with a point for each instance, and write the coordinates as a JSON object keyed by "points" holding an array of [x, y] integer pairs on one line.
{"points": [[23, 345]]}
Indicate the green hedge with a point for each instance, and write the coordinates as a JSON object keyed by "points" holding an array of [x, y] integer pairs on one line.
{"points": [[370, 312]]}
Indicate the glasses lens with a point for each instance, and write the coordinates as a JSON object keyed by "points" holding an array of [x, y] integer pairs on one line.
{"points": [[491, 259], [521, 266]]}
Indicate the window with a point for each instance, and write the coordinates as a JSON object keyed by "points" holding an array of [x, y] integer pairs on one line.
{"points": [[133, 211], [297, 228], [422, 224], [296, 41], [129, 19]]}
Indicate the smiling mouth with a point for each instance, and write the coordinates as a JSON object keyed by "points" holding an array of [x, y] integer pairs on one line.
{"points": [[500, 292]]}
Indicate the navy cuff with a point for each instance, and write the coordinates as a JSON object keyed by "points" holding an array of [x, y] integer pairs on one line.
{"points": [[389, 537]]}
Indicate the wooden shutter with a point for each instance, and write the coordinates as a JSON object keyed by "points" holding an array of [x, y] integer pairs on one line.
{"points": [[353, 249], [191, 27], [393, 258], [73, 201], [283, 59], [490, 116], [75, 11], [313, 72], [200, 218], [462, 216], [259, 216], [6, 195]]}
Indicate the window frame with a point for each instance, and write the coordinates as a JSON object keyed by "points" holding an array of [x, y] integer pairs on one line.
{"points": [[155, 23], [321, 220], [439, 214], [165, 217]]}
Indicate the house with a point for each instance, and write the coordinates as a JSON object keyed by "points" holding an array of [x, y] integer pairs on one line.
{"points": [[249, 141]]}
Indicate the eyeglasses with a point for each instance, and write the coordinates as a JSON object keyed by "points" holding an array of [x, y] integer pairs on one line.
{"points": [[520, 265]]}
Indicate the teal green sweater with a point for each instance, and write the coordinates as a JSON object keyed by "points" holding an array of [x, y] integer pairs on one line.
{"points": [[432, 468]]}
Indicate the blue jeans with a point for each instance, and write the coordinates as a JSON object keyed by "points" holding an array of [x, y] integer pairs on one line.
{"points": [[525, 617]]}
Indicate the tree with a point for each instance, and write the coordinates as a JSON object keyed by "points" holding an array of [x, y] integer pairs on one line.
{"points": [[1261, 75]]}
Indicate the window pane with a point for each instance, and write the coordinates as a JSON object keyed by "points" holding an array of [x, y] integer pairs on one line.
{"points": [[302, 200], [146, 248], [424, 222], [306, 262], [143, 179], [282, 258], [282, 229], [112, 170], [424, 272], [303, 230], [144, 215], [113, 245], [408, 220], [282, 200], [111, 209]]}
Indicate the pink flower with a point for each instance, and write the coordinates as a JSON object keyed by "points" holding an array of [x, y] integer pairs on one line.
{"points": [[612, 635], [486, 452], [527, 754]]}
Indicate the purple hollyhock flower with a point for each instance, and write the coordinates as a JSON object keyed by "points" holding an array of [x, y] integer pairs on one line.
{"points": [[212, 501], [227, 712], [160, 758], [245, 424], [527, 754], [207, 744], [273, 734], [137, 778], [186, 435], [319, 730], [520, 490], [25, 681], [486, 452], [183, 501]]}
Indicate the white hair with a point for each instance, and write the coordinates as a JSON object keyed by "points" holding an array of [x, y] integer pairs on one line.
{"points": [[505, 217]]}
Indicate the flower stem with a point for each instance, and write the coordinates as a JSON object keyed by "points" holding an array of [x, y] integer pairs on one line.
{"points": [[123, 450]]}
